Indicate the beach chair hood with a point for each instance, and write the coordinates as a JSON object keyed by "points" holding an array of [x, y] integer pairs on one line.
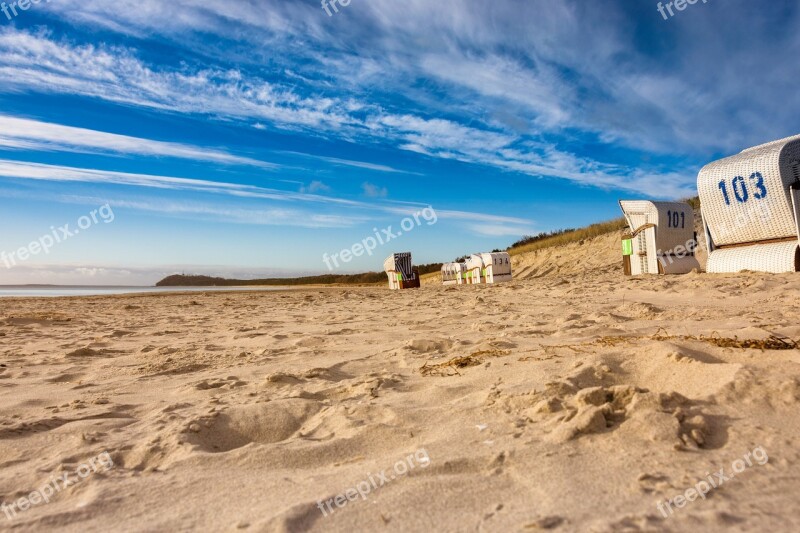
{"points": [[750, 209]]}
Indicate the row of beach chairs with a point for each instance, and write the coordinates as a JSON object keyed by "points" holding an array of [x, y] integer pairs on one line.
{"points": [[476, 269], [750, 209], [486, 268], [750, 212]]}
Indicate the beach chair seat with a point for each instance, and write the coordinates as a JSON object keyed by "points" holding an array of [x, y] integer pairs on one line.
{"points": [[661, 239], [750, 204]]}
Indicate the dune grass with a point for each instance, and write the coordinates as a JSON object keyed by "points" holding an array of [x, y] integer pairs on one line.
{"points": [[582, 234]]}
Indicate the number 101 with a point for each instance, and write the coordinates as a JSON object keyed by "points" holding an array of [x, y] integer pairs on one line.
{"points": [[676, 219]]}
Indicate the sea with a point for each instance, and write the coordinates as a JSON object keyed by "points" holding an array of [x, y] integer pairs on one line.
{"points": [[56, 291]]}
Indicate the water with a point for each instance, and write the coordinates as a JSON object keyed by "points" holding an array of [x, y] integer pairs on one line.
{"points": [[52, 291]]}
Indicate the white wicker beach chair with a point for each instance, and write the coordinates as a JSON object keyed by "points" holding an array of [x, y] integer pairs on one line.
{"points": [[496, 267], [475, 270], [662, 238], [400, 270], [453, 273], [750, 205]]}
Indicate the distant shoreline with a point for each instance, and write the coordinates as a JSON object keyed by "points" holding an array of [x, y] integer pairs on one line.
{"points": [[106, 291], [182, 280]]}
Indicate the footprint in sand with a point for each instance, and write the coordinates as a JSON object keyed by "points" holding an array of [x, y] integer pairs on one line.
{"points": [[260, 423], [430, 346]]}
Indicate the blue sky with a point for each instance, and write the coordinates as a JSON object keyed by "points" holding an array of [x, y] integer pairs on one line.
{"points": [[249, 138]]}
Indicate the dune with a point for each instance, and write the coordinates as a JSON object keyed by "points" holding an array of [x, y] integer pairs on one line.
{"points": [[571, 399]]}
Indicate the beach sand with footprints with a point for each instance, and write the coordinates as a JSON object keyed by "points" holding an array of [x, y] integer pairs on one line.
{"points": [[569, 399]]}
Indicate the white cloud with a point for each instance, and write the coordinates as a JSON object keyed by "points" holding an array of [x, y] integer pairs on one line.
{"points": [[39, 171], [498, 230], [315, 187], [596, 67], [287, 216], [38, 62], [26, 134], [374, 191], [351, 163]]}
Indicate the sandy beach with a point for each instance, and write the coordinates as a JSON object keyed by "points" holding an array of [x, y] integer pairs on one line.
{"points": [[570, 402], [360, 266]]}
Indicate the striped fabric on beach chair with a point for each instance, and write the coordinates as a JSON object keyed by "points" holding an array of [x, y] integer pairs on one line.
{"points": [[401, 271], [750, 204], [661, 238]]}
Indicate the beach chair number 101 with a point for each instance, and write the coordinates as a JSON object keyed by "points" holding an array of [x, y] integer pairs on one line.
{"points": [[739, 186], [676, 219]]}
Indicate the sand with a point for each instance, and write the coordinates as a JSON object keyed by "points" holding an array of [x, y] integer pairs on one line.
{"points": [[568, 400]]}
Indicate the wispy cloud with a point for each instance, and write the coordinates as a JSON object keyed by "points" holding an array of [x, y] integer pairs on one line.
{"points": [[315, 187], [267, 216], [374, 191], [350, 163], [39, 171], [355, 211], [25, 134], [36, 61]]}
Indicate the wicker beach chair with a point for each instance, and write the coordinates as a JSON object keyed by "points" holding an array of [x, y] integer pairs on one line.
{"points": [[661, 238], [475, 270], [453, 273], [750, 204], [401, 272], [496, 267]]}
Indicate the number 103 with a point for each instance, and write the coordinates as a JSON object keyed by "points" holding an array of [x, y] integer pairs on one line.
{"points": [[740, 190]]}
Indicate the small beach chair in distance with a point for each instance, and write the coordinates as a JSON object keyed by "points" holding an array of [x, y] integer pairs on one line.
{"points": [[496, 267], [453, 273], [475, 269], [750, 203], [401, 272], [661, 239]]}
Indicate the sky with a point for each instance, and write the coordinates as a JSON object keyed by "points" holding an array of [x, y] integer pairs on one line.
{"points": [[245, 138]]}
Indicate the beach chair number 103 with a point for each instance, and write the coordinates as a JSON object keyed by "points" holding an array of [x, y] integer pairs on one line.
{"points": [[676, 219], [739, 186]]}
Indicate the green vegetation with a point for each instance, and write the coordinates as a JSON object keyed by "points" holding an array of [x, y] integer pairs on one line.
{"points": [[694, 202], [427, 269], [567, 236], [367, 278], [562, 237], [529, 239]]}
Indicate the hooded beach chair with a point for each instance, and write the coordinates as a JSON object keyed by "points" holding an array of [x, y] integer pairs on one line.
{"points": [[453, 273], [749, 203], [401, 271], [475, 270], [661, 238], [496, 267]]}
